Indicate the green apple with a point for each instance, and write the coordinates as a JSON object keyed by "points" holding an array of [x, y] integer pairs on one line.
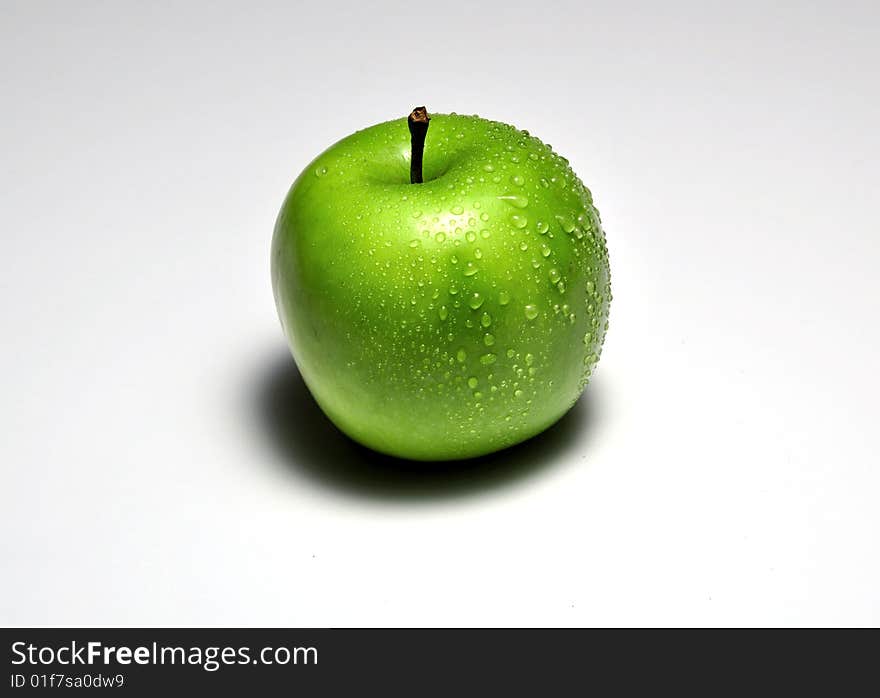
{"points": [[446, 319]]}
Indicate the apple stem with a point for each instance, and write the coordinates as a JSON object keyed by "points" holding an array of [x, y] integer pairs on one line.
{"points": [[418, 129]]}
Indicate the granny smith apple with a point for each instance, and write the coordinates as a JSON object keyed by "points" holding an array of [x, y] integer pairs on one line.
{"points": [[449, 318]]}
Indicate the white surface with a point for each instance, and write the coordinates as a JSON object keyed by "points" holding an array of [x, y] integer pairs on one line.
{"points": [[722, 468]]}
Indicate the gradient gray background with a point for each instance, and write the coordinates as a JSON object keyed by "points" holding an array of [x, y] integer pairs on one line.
{"points": [[722, 468]]}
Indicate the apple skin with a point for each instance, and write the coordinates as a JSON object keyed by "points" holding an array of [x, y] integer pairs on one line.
{"points": [[449, 319]]}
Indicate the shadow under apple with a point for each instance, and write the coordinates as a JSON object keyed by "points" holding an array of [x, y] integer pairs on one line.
{"points": [[309, 445]]}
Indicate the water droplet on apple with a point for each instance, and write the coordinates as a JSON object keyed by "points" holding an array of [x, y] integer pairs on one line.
{"points": [[473, 382], [489, 339], [461, 355], [554, 275], [470, 236], [470, 269], [457, 210], [542, 228], [487, 359], [519, 221], [414, 243], [440, 237], [486, 320], [476, 300], [517, 180], [443, 312], [516, 200], [531, 311], [545, 251], [320, 172], [566, 223], [504, 298]]}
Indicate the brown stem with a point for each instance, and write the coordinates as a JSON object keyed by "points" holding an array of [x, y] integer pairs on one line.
{"points": [[418, 129]]}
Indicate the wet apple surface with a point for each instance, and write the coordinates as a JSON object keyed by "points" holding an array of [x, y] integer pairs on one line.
{"points": [[450, 318]]}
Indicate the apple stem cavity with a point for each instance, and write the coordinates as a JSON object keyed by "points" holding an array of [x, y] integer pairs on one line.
{"points": [[418, 129]]}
